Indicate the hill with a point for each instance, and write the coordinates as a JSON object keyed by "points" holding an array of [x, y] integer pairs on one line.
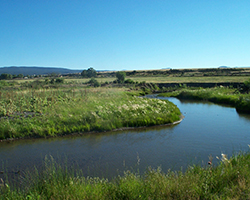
{"points": [[36, 70]]}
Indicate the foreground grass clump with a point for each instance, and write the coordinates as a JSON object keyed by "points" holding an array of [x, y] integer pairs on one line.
{"points": [[40, 113], [229, 180], [221, 95]]}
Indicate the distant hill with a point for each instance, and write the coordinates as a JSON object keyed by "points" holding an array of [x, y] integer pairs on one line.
{"points": [[167, 68], [36, 70], [223, 67]]}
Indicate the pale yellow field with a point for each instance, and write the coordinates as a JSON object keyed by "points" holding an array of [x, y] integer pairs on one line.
{"points": [[155, 79], [216, 79], [168, 79]]}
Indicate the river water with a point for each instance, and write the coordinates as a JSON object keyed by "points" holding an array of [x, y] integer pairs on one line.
{"points": [[207, 129]]}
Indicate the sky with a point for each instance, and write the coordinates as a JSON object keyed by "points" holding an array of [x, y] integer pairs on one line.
{"points": [[125, 34]]}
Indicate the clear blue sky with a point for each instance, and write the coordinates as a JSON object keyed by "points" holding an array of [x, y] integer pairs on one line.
{"points": [[125, 34]]}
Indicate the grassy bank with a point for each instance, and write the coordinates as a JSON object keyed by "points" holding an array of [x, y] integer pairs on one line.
{"points": [[220, 95], [229, 180], [51, 112]]}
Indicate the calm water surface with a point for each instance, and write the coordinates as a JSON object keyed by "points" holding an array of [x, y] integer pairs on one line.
{"points": [[207, 129]]}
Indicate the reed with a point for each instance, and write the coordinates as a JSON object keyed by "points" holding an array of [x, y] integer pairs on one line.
{"points": [[230, 179]]}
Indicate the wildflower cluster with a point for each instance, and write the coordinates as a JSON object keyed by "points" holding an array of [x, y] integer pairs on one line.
{"points": [[133, 108]]}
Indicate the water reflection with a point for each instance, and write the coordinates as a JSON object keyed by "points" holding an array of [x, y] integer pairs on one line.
{"points": [[244, 116]]}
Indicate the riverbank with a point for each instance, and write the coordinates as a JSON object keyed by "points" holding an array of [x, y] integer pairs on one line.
{"points": [[229, 180], [55, 112], [220, 95]]}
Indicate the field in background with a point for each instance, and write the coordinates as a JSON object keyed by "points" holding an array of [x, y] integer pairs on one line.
{"points": [[153, 79], [205, 75]]}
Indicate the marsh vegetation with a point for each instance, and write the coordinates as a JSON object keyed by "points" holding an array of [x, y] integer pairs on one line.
{"points": [[236, 97], [229, 180], [51, 112]]}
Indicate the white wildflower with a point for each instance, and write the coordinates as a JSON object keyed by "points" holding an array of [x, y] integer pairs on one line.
{"points": [[224, 158]]}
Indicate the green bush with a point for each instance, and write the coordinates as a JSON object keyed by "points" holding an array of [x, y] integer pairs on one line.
{"points": [[59, 80], [93, 82], [129, 81]]}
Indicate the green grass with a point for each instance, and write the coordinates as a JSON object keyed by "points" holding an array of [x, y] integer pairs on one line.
{"points": [[41, 113], [220, 95], [229, 180]]}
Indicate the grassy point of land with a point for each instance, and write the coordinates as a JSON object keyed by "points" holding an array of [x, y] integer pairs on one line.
{"points": [[52, 112]]}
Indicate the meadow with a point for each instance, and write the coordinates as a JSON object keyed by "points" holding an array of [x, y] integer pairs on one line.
{"points": [[159, 79], [59, 111]]}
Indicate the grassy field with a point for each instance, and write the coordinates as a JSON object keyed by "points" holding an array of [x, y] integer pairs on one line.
{"points": [[51, 112], [214, 79], [152, 79]]}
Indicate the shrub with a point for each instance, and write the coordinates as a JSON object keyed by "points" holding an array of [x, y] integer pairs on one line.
{"points": [[59, 80], [94, 82], [129, 81]]}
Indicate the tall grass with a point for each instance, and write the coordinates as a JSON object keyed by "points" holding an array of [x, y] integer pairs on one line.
{"points": [[40, 113], [229, 180]]}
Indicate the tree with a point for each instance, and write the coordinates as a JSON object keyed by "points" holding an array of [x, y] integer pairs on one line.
{"points": [[5, 76], [84, 73], [120, 76], [20, 76], [89, 73]]}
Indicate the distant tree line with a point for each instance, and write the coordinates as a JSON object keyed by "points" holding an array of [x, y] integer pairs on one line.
{"points": [[5, 76]]}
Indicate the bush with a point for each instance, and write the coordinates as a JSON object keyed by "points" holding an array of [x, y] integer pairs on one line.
{"points": [[59, 80], [129, 81], [94, 82]]}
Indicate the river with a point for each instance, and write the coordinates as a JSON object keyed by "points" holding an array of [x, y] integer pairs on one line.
{"points": [[207, 129]]}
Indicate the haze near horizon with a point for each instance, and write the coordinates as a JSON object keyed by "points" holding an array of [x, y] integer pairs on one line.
{"points": [[125, 34]]}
